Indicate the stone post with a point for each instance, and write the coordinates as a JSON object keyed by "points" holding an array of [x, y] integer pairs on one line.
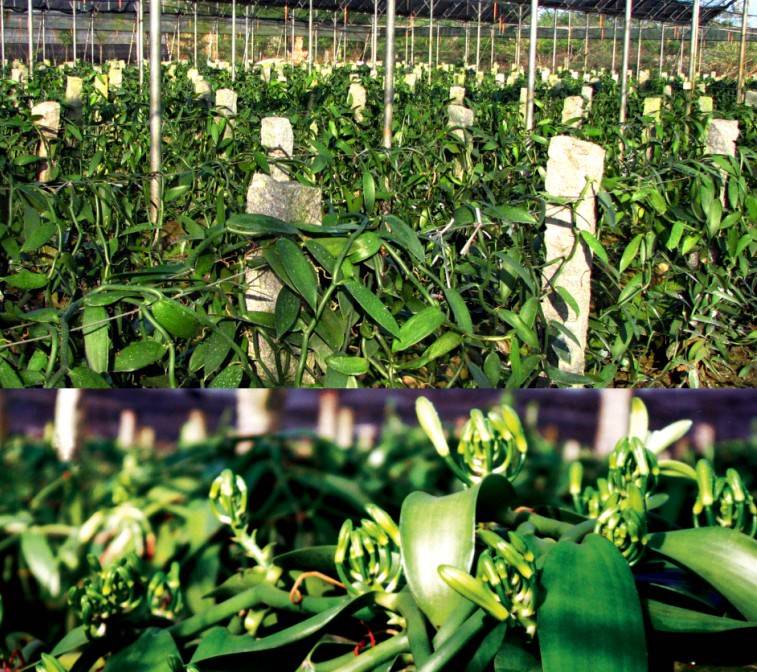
{"points": [[457, 95], [460, 119], [202, 90], [574, 169], [68, 417], [48, 124], [705, 104], [721, 139], [356, 99], [226, 104], [101, 85], [573, 111], [73, 97]]}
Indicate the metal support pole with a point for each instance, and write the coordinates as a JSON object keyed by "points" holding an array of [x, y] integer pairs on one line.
{"points": [[141, 42], [252, 35], [292, 54], [626, 56], [533, 35], [586, 44], [155, 122], [194, 33], [344, 32], [245, 51], [333, 47], [178, 37], [438, 40], [554, 43], [517, 37], [2, 33], [44, 35], [491, 58], [614, 43], [662, 48], [374, 36], [310, 36], [569, 56], [742, 53], [430, 37], [702, 32], [73, 30], [389, 75], [412, 40], [92, 36], [233, 40], [638, 49], [467, 41], [693, 45], [30, 35], [478, 38]]}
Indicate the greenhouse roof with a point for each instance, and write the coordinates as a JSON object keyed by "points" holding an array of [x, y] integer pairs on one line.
{"points": [[492, 11]]}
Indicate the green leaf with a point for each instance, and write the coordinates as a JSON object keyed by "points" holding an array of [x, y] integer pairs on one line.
{"points": [[566, 296], [373, 306], [369, 192], [594, 245], [229, 378], [629, 254], [349, 366], [154, 651], [725, 558], [176, 319], [138, 355], [591, 616], [286, 311], [73, 640], [418, 327], [219, 643], [459, 309], [9, 379], [438, 531], [399, 232], [96, 330], [299, 270], [258, 225], [26, 280], [511, 214], [39, 557], [668, 618], [525, 333], [85, 378], [174, 192], [38, 235]]}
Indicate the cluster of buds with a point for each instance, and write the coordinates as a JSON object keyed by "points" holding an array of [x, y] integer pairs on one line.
{"points": [[505, 581], [489, 444], [367, 558], [619, 502], [164, 597], [228, 501], [107, 593], [120, 531], [724, 501]]}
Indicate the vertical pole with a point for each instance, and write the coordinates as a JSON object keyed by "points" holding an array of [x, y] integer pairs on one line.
{"points": [[194, 33], [389, 75], [141, 42], [533, 35], [430, 37], [570, 40], [412, 40], [626, 56], [2, 33], [491, 58], [374, 36], [614, 43], [478, 38], [438, 40], [680, 51], [73, 29], [344, 41], [467, 41], [245, 51], [333, 47], [92, 36], [662, 48], [44, 35], [155, 123], [292, 55], [702, 32], [586, 44], [517, 37], [407, 40], [554, 43], [178, 36], [742, 53], [310, 36], [252, 35], [29, 36], [638, 49], [233, 40], [693, 45]]}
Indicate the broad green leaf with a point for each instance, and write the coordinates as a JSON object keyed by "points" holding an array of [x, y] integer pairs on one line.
{"points": [[175, 318], [229, 378], [591, 616], [525, 333], [42, 564], [349, 366], [38, 235], [286, 311], [369, 192], [629, 254], [459, 309], [594, 245], [9, 379], [373, 306], [219, 643], [723, 557], [418, 327], [154, 651], [512, 214], [73, 639], [175, 192], [669, 618], [399, 232], [24, 279], [96, 330], [86, 378], [566, 296], [299, 270], [138, 355], [441, 531], [258, 225]]}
